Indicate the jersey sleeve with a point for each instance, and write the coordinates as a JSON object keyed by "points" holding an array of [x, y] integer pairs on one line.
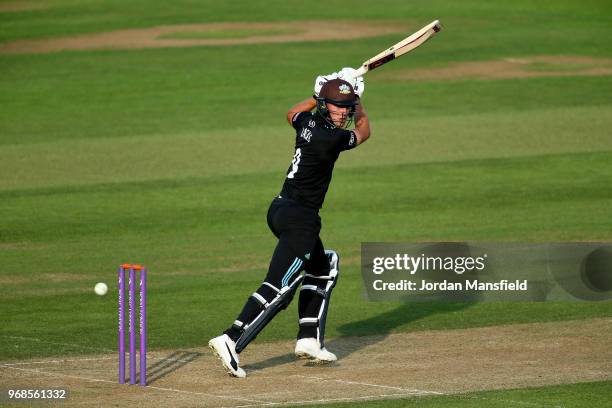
{"points": [[300, 118], [348, 140]]}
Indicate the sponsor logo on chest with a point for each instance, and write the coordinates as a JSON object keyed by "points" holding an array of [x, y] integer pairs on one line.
{"points": [[306, 134]]}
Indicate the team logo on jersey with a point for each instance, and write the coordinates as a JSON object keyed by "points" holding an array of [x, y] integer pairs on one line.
{"points": [[352, 139], [311, 124], [344, 89], [306, 134]]}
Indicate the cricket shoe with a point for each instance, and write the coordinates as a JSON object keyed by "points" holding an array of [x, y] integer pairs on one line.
{"points": [[225, 349], [309, 348], [334, 259]]}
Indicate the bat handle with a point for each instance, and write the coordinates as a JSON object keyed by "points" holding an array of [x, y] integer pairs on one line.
{"points": [[359, 72]]}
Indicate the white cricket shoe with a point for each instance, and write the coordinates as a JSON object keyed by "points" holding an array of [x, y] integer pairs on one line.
{"points": [[325, 356], [225, 349], [333, 258], [309, 348]]}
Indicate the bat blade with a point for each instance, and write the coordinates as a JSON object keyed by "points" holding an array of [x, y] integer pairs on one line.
{"points": [[406, 45]]}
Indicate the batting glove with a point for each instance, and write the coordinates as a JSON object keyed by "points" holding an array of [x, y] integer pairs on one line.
{"points": [[321, 79], [348, 75]]}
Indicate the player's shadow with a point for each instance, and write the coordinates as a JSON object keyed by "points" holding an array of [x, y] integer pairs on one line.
{"points": [[359, 334], [170, 364], [271, 362]]}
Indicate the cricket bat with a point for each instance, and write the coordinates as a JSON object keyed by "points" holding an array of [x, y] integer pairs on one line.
{"points": [[406, 45]]}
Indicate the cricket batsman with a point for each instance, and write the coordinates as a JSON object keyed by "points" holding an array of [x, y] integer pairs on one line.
{"points": [[323, 130]]}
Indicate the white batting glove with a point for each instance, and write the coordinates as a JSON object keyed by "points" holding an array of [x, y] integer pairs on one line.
{"points": [[348, 74], [321, 79]]}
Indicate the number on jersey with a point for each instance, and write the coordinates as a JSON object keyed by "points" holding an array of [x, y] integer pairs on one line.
{"points": [[295, 163]]}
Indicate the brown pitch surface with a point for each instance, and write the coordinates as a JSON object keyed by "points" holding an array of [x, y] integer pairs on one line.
{"points": [[373, 367]]}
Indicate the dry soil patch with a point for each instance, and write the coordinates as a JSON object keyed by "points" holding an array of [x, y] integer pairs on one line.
{"points": [[12, 6], [373, 367], [525, 67], [297, 31]]}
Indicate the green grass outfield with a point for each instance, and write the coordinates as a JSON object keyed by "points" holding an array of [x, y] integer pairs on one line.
{"points": [[594, 394], [169, 157]]}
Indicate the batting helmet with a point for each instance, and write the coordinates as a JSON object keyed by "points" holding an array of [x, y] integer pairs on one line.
{"points": [[337, 92]]}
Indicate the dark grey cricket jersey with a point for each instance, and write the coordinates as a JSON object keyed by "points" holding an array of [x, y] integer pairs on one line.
{"points": [[317, 147]]}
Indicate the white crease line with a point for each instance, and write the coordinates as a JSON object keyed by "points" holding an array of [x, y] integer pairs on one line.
{"points": [[369, 385], [60, 344], [325, 400], [57, 361], [517, 60], [209, 395], [380, 396], [164, 359], [38, 371], [144, 388]]}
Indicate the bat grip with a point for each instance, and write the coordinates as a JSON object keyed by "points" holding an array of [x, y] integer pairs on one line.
{"points": [[359, 72]]}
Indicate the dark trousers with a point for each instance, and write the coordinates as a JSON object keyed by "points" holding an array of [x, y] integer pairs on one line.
{"points": [[299, 248]]}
